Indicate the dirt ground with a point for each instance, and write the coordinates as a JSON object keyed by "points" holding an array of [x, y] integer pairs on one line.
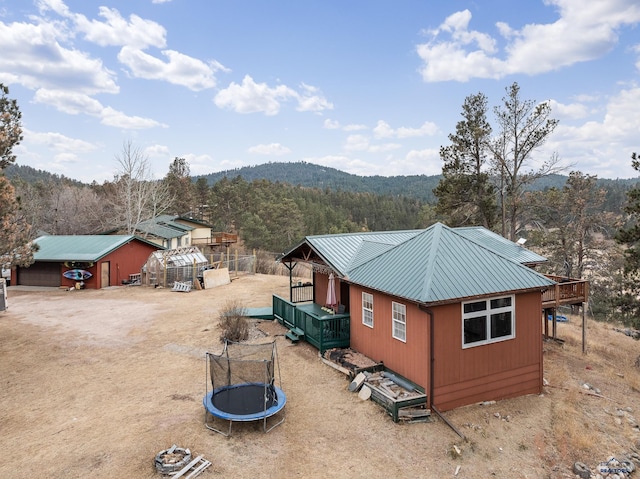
{"points": [[96, 383]]}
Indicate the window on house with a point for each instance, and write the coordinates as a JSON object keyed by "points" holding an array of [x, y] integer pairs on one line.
{"points": [[399, 312], [367, 309], [488, 321]]}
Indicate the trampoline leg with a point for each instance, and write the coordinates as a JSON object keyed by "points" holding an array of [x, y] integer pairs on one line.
{"points": [[211, 428], [273, 426]]}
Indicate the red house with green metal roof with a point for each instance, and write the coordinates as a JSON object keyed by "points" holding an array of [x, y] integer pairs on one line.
{"points": [[95, 261], [457, 311]]}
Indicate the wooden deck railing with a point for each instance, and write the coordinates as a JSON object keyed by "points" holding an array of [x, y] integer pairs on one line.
{"points": [[301, 293], [216, 239], [566, 291], [322, 330]]}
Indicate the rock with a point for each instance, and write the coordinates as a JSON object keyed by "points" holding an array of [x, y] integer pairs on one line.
{"points": [[581, 470]]}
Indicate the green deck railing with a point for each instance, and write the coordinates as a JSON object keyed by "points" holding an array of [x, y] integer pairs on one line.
{"points": [[321, 329]]}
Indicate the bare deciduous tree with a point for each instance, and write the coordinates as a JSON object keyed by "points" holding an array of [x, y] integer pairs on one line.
{"points": [[136, 195]]}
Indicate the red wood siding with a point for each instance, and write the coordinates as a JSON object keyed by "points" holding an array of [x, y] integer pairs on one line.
{"points": [[461, 376], [488, 372], [321, 285], [126, 260], [410, 358]]}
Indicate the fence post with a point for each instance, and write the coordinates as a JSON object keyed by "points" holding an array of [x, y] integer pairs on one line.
{"points": [[164, 278], [236, 262], [255, 260]]}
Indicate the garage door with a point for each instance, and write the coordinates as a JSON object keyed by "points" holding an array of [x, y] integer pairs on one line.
{"points": [[40, 274]]}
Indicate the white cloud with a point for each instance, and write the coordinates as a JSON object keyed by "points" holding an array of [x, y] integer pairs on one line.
{"points": [[34, 57], [272, 149], [355, 127], [383, 147], [252, 97], [112, 117], [572, 111], [583, 31], [384, 130], [199, 164], [582, 144], [157, 151], [425, 162], [136, 32], [76, 103], [335, 125], [69, 102], [179, 70], [311, 100], [61, 153], [357, 143], [58, 142]]}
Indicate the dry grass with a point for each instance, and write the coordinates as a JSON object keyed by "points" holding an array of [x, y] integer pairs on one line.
{"points": [[96, 383]]}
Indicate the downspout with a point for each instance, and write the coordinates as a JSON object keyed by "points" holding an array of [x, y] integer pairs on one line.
{"points": [[432, 361], [432, 358]]}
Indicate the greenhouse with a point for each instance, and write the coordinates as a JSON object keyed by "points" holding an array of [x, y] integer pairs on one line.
{"points": [[166, 267]]}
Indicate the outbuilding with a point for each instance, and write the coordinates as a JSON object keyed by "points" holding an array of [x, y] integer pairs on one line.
{"points": [[87, 261]]}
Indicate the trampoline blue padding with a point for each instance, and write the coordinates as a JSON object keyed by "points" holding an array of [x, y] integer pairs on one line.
{"points": [[244, 402]]}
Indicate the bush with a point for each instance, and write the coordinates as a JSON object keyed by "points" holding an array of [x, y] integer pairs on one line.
{"points": [[233, 321]]}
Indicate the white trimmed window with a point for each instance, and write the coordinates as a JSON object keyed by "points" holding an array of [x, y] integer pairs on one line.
{"points": [[399, 319], [367, 309], [488, 321]]}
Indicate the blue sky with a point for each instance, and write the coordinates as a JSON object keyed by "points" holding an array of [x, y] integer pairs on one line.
{"points": [[368, 87]]}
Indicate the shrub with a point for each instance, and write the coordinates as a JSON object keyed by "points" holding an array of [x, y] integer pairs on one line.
{"points": [[233, 321]]}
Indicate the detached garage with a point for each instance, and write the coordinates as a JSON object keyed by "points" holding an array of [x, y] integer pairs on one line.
{"points": [[93, 261]]}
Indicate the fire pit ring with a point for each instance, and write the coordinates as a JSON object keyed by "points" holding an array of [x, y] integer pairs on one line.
{"points": [[172, 460]]}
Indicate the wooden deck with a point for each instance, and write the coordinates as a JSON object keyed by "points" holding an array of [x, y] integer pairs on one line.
{"points": [[216, 239], [566, 292], [321, 329]]}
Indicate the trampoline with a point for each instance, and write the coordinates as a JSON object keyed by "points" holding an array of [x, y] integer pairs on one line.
{"points": [[243, 386]]}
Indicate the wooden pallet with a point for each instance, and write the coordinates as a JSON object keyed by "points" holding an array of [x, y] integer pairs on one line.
{"points": [[194, 468]]}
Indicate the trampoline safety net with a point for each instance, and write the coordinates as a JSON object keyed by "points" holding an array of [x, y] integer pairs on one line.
{"points": [[239, 368]]}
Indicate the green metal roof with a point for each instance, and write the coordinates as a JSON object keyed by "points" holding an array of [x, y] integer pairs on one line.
{"points": [[81, 247], [349, 249], [501, 245], [164, 226], [428, 266]]}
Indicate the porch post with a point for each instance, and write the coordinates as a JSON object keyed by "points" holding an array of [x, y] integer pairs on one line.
{"points": [[290, 267]]}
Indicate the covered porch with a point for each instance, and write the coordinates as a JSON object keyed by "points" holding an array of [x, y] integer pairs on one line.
{"points": [[316, 311]]}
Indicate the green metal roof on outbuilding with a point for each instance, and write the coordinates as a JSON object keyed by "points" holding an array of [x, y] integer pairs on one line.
{"points": [[88, 248], [433, 265]]}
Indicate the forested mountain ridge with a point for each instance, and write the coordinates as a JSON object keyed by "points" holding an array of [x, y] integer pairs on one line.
{"points": [[412, 186], [32, 175], [310, 175]]}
